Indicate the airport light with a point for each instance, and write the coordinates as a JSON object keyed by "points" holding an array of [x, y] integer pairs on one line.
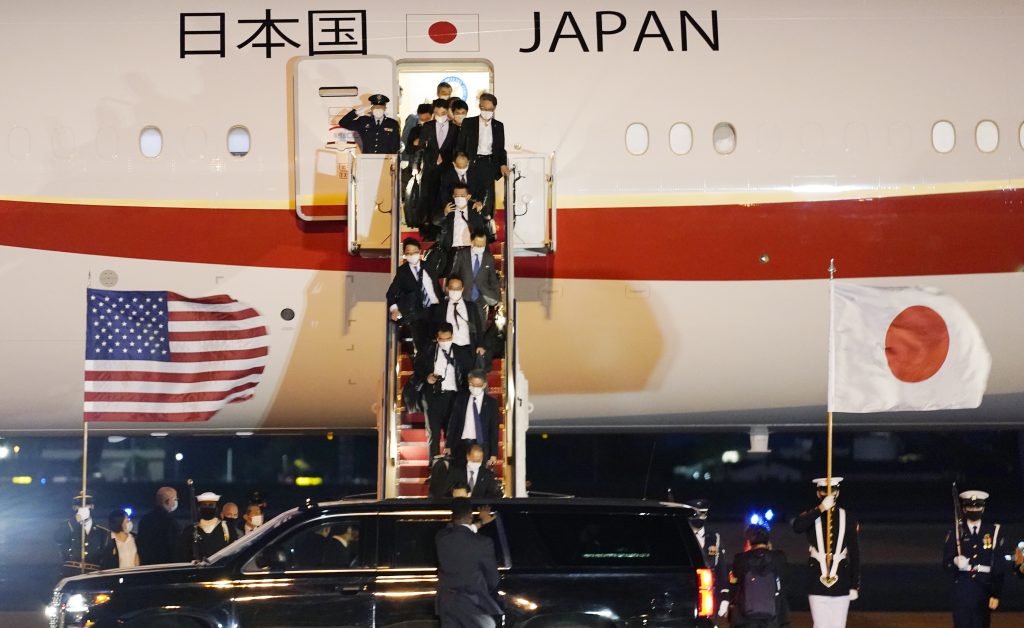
{"points": [[4, 451], [21, 479], [179, 456], [306, 480]]}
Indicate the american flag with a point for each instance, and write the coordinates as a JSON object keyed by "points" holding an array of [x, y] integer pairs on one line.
{"points": [[159, 356]]}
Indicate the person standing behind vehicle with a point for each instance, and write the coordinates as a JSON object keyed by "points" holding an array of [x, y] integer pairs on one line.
{"points": [[711, 546], [467, 573], [69, 537], [756, 597], [122, 551], [252, 519], [159, 531], [207, 536]]}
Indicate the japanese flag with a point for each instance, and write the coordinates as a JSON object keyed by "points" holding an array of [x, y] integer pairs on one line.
{"points": [[442, 33], [903, 349]]}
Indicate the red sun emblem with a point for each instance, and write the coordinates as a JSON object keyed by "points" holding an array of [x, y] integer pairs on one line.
{"points": [[443, 32], [916, 344]]}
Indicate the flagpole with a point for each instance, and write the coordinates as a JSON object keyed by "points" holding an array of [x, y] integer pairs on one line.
{"points": [[828, 457], [85, 478]]}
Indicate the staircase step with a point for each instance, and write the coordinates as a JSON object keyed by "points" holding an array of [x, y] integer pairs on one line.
{"points": [[410, 435]]}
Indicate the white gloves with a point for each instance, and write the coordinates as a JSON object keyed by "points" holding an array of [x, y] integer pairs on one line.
{"points": [[962, 563], [828, 503], [854, 594], [723, 608]]}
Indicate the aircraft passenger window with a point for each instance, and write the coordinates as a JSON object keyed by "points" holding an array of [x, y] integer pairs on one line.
{"points": [[239, 141], [151, 142], [943, 136], [637, 139], [724, 138], [986, 136], [680, 138]]}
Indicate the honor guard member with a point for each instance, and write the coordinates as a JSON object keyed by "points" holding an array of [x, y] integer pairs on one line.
{"points": [[978, 562], [711, 545], [69, 537], [207, 536], [378, 133], [834, 580]]}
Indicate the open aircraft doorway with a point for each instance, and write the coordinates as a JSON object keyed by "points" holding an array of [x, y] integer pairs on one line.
{"points": [[418, 80]]}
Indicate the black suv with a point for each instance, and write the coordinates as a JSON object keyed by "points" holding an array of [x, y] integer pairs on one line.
{"points": [[564, 562]]}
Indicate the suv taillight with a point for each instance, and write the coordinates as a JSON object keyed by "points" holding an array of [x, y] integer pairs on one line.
{"points": [[706, 590]]}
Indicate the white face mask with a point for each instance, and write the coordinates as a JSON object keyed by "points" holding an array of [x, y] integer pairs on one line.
{"points": [[473, 466], [455, 295], [440, 117], [459, 117], [256, 521], [413, 258], [462, 171], [378, 114], [478, 250], [476, 391], [127, 527], [83, 514], [174, 506], [445, 344], [461, 202], [486, 115]]}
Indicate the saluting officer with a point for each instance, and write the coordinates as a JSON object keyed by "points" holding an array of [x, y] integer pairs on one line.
{"points": [[835, 579], [978, 563], [378, 133], [711, 547], [69, 537]]}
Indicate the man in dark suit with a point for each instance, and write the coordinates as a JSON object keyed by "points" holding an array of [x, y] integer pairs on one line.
{"points": [[474, 420], [479, 274], [412, 292], [460, 221], [159, 531], [467, 574], [459, 171], [377, 133], [413, 125], [482, 138], [437, 139], [440, 372], [461, 313], [478, 479]]}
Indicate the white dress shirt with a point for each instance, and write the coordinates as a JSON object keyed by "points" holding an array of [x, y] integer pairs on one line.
{"points": [[429, 285], [458, 316], [442, 368], [469, 431], [486, 142], [460, 229]]}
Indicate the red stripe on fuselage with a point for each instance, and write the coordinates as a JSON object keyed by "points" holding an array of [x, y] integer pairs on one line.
{"points": [[970, 232]]}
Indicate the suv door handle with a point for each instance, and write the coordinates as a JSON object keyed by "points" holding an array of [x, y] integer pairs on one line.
{"points": [[349, 590]]}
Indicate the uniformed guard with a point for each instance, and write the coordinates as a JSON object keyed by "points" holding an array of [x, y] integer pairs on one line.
{"points": [[834, 578], [974, 553], [378, 133], [711, 547], [69, 537], [207, 536]]}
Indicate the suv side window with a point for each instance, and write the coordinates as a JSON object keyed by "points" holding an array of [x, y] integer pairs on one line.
{"points": [[326, 545], [411, 540]]}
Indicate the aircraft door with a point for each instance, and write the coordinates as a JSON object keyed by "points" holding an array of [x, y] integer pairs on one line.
{"points": [[531, 194], [326, 155]]}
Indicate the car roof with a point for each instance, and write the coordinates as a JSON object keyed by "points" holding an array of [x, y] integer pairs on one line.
{"points": [[561, 502]]}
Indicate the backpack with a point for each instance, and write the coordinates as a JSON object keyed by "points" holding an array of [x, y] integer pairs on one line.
{"points": [[760, 587]]}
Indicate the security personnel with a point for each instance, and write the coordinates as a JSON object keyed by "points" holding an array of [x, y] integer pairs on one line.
{"points": [[978, 563], [711, 547], [69, 537], [378, 133], [834, 578], [207, 536]]}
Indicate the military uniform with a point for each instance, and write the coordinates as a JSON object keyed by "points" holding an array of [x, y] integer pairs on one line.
{"points": [[69, 537], [711, 546], [834, 583], [383, 137], [978, 576], [209, 535]]}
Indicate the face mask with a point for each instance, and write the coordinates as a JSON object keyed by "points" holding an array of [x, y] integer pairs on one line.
{"points": [[473, 466], [440, 116], [256, 521], [83, 514], [174, 506], [486, 115], [455, 295], [127, 527], [476, 391], [697, 522], [445, 344], [974, 514], [413, 259], [208, 512], [462, 171], [378, 114], [461, 202], [459, 117], [477, 250]]}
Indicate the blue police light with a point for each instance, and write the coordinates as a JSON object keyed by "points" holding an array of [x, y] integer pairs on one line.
{"points": [[769, 515], [128, 511], [755, 519]]}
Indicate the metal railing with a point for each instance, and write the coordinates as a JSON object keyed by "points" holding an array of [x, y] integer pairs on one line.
{"points": [[387, 424], [509, 364]]}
